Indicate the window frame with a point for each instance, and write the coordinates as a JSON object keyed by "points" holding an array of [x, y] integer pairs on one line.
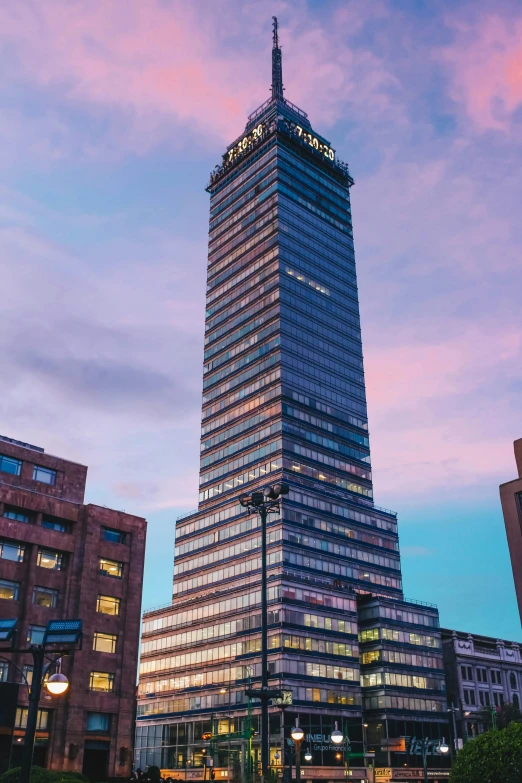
{"points": [[59, 559], [106, 715], [110, 679], [119, 533], [114, 598], [48, 591], [15, 545], [112, 562], [113, 637], [45, 471], [12, 512], [16, 590], [9, 459]]}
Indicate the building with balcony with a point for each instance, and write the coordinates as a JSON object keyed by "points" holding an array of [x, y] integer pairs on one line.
{"points": [[61, 558]]}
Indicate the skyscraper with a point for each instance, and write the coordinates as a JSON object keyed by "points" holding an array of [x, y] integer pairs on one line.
{"points": [[283, 398]]}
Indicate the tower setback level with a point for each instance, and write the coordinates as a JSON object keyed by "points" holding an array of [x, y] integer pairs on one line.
{"points": [[284, 400]]}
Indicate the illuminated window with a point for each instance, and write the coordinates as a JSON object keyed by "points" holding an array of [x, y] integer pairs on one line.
{"points": [[111, 568], [47, 558], [101, 681], [42, 722], [107, 604], [45, 596], [44, 475], [104, 642], [9, 590], [4, 671]]}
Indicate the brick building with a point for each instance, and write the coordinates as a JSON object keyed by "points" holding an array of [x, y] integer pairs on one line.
{"points": [[60, 558], [511, 499]]}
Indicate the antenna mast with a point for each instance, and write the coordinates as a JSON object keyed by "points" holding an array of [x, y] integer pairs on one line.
{"points": [[277, 65]]}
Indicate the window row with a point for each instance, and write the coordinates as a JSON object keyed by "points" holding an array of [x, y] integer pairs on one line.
{"points": [[318, 439], [46, 596], [245, 526], [58, 524], [334, 548], [495, 676], [403, 703], [246, 391], [246, 442], [400, 615], [255, 472], [339, 569], [14, 468], [402, 681], [235, 550], [300, 496], [299, 380], [210, 577], [246, 424], [392, 635], [322, 475], [339, 529], [396, 656]]}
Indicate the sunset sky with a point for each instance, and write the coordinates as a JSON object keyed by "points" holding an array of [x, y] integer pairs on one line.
{"points": [[114, 112]]}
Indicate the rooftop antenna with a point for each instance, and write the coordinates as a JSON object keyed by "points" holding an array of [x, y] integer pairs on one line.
{"points": [[277, 65]]}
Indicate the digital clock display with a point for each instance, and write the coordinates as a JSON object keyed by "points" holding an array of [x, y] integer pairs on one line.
{"points": [[314, 142], [245, 143]]}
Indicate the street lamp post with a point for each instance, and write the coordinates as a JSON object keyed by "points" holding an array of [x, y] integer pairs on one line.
{"points": [[297, 735], [264, 501], [443, 748], [61, 637]]}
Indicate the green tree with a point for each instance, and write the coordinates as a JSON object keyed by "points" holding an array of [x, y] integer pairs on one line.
{"points": [[493, 757], [507, 714]]}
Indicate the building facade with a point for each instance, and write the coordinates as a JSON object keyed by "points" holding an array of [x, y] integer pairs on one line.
{"points": [[60, 558], [284, 398], [482, 674], [511, 499]]}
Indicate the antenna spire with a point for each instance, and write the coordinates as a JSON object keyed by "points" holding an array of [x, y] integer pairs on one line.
{"points": [[277, 65]]}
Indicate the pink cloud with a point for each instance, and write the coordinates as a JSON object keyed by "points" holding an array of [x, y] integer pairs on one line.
{"points": [[165, 66], [486, 63]]}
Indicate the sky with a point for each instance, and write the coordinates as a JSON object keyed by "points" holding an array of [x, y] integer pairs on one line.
{"points": [[112, 115]]}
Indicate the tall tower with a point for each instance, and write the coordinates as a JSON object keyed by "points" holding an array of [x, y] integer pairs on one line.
{"points": [[283, 398]]}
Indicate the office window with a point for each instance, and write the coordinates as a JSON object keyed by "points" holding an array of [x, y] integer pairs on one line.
{"points": [[513, 680], [116, 536], [28, 673], [42, 721], [104, 642], [498, 699], [495, 677], [101, 681], [52, 523], [4, 671], [10, 465], [107, 604], [18, 514], [111, 568], [466, 673], [516, 701], [47, 558], [35, 634], [100, 722], [45, 596], [9, 590], [45, 475], [482, 675], [10, 551]]}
